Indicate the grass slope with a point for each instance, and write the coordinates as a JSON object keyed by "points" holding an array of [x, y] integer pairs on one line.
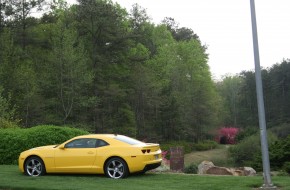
{"points": [[12, 179], [218, 156]]}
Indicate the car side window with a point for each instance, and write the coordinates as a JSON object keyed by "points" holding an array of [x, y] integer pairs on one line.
{"points": [[102, 143], [82, 143]]}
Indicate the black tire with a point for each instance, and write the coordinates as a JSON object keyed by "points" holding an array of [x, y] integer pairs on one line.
{"points": [[116, 168], [34, 166]]}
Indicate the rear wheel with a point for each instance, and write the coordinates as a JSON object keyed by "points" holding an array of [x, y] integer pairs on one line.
{"points": [[34, 166], [116, 168]]}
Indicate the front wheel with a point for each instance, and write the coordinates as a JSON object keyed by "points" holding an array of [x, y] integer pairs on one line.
{"points": [[116, 168], [34, 166]]}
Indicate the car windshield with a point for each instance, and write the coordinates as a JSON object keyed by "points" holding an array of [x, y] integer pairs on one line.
{"points": [[128, 140]]}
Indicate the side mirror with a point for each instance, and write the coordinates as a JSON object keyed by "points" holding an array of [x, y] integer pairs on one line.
{"points": [[61, 146]]}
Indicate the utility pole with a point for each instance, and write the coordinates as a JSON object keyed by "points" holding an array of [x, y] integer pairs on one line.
{"points": [[260, 99]]}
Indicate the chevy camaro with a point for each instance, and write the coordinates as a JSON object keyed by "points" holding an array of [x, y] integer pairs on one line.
{"points": [[113, 155]]}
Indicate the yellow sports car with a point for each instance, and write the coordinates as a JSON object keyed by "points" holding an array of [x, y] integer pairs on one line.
{"points": [[113, 155]]}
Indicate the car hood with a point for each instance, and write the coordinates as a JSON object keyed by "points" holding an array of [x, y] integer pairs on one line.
{"points": [[43, 147]]}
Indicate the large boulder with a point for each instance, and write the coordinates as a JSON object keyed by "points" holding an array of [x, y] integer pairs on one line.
{"points": [[248, 171], [204, 166], [207, 167], [215, 170]]}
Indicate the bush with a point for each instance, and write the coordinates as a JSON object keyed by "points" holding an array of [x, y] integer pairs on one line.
{"points": [[189, 146], [245, 153], [282, 131], [245, 133], [279, 152], [227, 135], [286, 167], [15, 140], [205, 145], [186, 145], [191, 169], [5, 124]]}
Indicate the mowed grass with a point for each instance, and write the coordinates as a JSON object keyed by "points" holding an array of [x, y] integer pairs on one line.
{"points": [[12, 179]]}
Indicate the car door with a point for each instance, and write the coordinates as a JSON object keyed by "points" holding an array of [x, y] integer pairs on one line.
{"points": [[77, 156]]}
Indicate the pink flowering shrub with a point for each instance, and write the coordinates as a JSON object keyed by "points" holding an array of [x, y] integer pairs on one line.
{"points": [[164, 159], [227, 135], [165, 165]]}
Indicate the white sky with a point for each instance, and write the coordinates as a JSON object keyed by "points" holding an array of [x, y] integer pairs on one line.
{"points": [[225, 27]]}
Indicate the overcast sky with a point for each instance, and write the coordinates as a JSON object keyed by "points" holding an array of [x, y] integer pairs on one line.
{"points": [[225, 27]]}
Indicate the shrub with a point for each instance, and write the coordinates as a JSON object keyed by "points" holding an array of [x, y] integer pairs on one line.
{"points": [[286, 167], [186, 145], [15, 140], [165, 157], [227, 135], [189, 146], [279, 152], [245, 153], [191, 169], [282, 131], [5, 124], [245, 133], [205, 145]]}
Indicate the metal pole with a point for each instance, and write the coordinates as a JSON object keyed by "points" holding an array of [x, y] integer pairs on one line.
{"points": [[261, 110]]}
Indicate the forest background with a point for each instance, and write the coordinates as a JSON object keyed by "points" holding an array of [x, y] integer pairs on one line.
{"points": [[98, 67]]}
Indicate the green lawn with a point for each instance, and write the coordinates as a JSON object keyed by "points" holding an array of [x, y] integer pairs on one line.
{"points": [[12, 179]]}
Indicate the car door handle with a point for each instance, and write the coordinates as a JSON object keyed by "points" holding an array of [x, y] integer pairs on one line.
{"points": [[90, 152]]}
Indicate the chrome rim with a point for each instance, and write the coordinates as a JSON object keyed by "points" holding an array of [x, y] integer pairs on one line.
{"points": [[116, 169], [34, 167]]}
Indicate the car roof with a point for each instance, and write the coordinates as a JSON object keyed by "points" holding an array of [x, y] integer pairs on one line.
{"points": [[97, 136], [109, 138]]}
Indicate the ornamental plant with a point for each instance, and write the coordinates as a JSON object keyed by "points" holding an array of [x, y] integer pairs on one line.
{"points": [[164, 155], [227, 135]]}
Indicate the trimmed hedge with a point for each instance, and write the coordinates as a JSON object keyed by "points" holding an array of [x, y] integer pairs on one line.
{"points": [[205, 145], [189, 146], [14, 141], [186, 145]]}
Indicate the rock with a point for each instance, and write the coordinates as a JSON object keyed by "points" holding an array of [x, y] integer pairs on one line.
{"points": [[244, 171], [207, 167], [204, 166], [215, 170], [237, 172], [249, 171]]}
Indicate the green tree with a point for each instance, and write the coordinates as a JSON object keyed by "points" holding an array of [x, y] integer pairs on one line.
{"points": [[248, 100], [19, 13], [187, 112], [7, 111], [2, 14], [280, 85], [146, 91], [70, 74], [229, 90], [104, 28], [179, 34]]}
